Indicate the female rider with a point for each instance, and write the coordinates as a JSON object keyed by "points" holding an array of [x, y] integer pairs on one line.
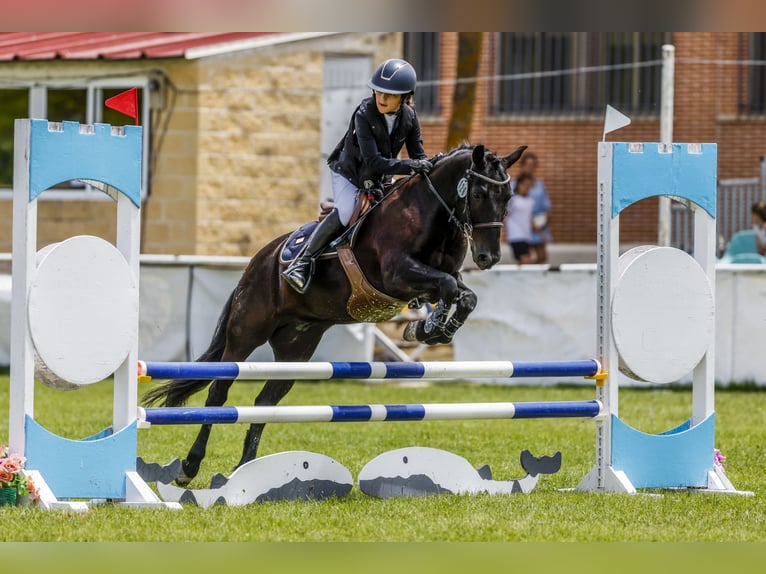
{"points": [[366, 158]]}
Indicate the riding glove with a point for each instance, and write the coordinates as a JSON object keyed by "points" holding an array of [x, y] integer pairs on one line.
{"points": [[420, 165]]}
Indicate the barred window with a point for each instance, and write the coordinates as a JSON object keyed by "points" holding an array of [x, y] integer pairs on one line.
{"points": [[578, 72], [751, 98], [421, 49]]}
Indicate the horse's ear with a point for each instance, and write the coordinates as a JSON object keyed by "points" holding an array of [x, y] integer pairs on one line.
{"points": [[512, 158], [478, 156]]}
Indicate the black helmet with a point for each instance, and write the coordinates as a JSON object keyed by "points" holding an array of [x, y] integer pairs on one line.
{"points": [[394, 76]]}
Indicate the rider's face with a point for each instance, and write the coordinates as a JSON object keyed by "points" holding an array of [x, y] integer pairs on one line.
{"points": [[388, 103]]}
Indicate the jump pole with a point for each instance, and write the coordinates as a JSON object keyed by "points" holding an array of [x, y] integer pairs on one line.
{"points": [[365, 370], [367, 413]]}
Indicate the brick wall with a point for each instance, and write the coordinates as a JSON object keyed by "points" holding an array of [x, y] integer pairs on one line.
{"points": [[705, 111]]}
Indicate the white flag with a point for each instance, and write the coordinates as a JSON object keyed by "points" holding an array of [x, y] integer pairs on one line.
{"points": [[614, 120]]}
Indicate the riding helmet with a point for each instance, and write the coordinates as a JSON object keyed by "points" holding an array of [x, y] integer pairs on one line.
{"points": [[394, 76]]}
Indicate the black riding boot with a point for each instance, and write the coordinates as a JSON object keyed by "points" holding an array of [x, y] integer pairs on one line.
{"points": [[298, 274]]}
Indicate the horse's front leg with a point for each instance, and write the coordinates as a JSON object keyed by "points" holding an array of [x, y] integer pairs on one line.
{"points": [[464, 306], [217, 395], [429, 284], [439, 327], [431, 329], [271, 394]]}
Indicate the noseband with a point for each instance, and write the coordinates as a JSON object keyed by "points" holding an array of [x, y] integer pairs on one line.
{"points": [[466, 227]]}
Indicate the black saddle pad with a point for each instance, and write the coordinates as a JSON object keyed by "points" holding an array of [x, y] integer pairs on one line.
{"points": [[297, 241]]}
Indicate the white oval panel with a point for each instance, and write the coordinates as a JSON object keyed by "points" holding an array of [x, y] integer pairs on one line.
{"points": [[83, 309], [663, 314]]}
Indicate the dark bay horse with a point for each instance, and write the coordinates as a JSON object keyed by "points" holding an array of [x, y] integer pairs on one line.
{"points": [[411, 247]]}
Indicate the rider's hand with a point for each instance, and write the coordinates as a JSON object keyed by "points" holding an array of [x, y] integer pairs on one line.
{"points": [[421, 165], [376, 194]]}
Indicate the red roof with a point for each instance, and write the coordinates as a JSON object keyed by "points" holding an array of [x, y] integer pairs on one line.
{"points": [[112, 45]]}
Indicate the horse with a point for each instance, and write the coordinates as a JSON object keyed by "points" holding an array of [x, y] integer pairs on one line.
{"points": [[410, 246]]}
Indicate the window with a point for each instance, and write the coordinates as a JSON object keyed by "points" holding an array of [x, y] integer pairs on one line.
{"points": [[421, 49], [751, 97], [77, 103], [578, 72]]}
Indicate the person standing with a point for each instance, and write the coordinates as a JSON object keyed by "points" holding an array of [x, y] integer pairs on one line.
{"points": [[366, 158], [758, 221], [518, 219], [541, 234]]}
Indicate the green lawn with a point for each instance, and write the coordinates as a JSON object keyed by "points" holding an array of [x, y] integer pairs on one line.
{"points": [[545, 515]]}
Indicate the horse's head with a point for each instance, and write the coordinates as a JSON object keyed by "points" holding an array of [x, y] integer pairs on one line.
{"points": [[488, 192]]}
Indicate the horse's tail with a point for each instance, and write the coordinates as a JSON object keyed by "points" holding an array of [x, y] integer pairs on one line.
{"points": [[177, 392]]}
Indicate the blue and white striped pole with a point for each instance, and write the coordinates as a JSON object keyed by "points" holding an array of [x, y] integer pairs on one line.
{"points": [[366, 413], [364, 370]]}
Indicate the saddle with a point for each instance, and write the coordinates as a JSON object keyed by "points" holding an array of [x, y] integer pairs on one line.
{"points": [[366, 304]]}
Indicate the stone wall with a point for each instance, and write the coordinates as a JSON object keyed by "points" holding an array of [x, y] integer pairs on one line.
{"points": [[241, 157]]}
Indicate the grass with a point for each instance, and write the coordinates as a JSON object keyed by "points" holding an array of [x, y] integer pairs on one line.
{"points": [[546, 515]]}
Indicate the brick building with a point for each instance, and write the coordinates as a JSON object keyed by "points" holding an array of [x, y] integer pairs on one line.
{"points": [[238, 127], [710, 105]]}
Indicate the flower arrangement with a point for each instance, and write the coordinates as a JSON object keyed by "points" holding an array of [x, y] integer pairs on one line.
{"points": [[11, 475]]}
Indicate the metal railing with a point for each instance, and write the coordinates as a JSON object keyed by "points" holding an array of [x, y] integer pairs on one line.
{"points": [[734, 197]]}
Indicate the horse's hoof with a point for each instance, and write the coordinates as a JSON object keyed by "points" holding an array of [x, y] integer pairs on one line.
{"points": [[183, 479], [410, 332], [438, 339]]}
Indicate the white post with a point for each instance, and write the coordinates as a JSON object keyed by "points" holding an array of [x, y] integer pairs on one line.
{"points": [[24, 264], [666, 136]]}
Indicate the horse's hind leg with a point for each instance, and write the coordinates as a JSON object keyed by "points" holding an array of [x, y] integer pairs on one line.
{"points": [[296, 343], [237, 349]]}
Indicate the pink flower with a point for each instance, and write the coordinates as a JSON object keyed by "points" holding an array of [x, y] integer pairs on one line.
{"points": [[6, 475], [34, 494], [718, 458], [20, 460], [11, 465]]}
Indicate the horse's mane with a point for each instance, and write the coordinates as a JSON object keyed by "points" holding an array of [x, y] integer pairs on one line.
{"points": [[454, 151], [491, 156]]}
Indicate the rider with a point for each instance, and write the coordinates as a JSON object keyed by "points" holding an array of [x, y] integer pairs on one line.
{"points": [[366, 157]]}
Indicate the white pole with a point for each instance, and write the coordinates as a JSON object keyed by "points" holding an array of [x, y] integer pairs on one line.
{"points": [[666, 135]]}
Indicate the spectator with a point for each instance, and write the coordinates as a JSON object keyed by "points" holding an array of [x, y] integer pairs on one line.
{"points": [[758, 219], [518, 220], [541, 235]]}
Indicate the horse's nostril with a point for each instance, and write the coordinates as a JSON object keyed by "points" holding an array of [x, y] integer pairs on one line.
{"points": [[483, 260]]}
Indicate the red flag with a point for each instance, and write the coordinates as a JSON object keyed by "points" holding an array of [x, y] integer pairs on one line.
{"points": [[125, 103]]}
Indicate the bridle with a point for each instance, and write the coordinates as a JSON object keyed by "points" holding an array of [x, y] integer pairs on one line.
{"points": [[467, 227]]}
